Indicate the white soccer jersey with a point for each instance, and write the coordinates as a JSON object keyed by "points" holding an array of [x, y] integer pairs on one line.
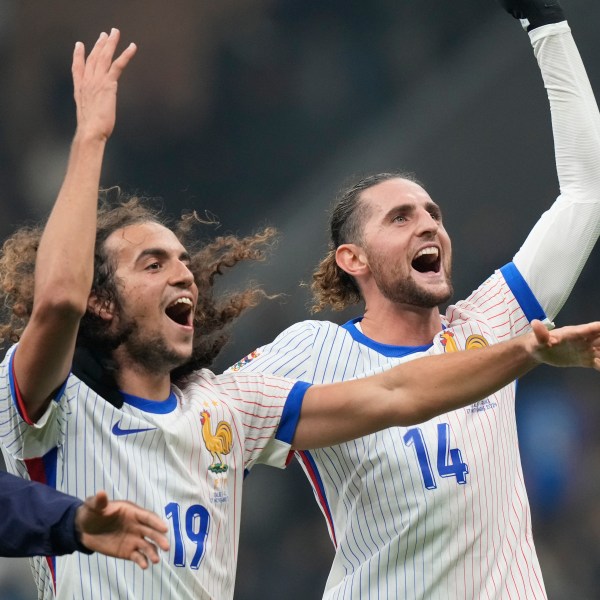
{"points": [[439, 511], [183, 458]]}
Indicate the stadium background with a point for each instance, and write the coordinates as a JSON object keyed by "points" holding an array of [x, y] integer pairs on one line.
{"points": [[258, 111]]}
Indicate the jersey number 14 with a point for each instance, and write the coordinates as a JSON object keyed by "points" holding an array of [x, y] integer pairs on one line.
{"points": [[449, 460]]}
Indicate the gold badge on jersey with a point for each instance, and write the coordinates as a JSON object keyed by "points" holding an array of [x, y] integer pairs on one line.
{"points": [[218, 443], [473, 341]]}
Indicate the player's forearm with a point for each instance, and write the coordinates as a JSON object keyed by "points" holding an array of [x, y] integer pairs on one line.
{"points": [[410, 393], [65, 258], [562, 240], [574, 111], [443, 383], [63, 279]]}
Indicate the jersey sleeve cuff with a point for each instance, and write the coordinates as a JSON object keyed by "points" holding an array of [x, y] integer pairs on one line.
{"points": [[547, 30], [520, 289], [277, 453]]}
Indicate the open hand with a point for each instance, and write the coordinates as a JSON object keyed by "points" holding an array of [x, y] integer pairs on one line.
{"points": [[95, 84], [575, 346], [121, 529]]}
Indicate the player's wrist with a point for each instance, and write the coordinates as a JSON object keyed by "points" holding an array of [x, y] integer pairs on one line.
{"points": [[531, 348], [535, 13], [551, 13], [80, 536]]}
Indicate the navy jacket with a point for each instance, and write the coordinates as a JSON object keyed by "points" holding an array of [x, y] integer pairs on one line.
{"points": [[36, 520]]}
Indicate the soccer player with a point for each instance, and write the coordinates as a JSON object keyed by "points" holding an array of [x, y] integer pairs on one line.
{"points": [[439, 509], [121, 287], [39, 520]]}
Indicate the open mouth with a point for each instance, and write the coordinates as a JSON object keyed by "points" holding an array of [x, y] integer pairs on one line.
{"points": [[427, 260], [181, 311]]}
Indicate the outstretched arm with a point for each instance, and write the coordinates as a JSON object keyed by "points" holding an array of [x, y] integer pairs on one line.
{"points": [[65, 257], [552, 257], [419, 390], [39, 520]]}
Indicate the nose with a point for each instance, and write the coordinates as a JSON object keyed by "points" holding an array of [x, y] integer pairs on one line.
{"points": [[427, 224], [181, 275]]}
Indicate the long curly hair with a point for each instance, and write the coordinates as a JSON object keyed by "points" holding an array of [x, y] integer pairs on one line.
{"points": [[214, 313], [331, 286]]}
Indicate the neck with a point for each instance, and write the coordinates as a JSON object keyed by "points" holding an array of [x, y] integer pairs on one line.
{"points": [[400, 324], [136, 380]]}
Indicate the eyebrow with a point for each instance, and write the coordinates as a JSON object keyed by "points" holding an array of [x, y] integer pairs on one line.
{"points": [[410, 207], [160, 253]]}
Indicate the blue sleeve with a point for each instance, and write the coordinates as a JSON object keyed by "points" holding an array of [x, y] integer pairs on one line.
{"points": [[37, 520]]}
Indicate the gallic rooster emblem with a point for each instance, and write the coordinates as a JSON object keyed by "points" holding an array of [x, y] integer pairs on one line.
{"points": [[473, 341], [218, 444]]}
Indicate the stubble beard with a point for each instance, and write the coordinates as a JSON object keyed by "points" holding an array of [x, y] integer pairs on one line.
{"points": [[148, 351], [401, 289]]}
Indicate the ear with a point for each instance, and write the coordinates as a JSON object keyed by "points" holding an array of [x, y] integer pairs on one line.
{"points": [[101, 308], [352, 259]]}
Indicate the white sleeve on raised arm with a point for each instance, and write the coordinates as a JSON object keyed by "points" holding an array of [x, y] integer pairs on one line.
{"points": [[557, 248]]}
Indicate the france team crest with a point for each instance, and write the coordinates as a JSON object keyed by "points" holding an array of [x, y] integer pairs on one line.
{"points": [[218, 443], [450, 344]]}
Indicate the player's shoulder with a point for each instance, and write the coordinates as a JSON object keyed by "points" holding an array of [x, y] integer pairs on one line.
{"points": [[308, 326], [301, 334], [205, 378], [200, 377], [492, 289], [237, 384]]}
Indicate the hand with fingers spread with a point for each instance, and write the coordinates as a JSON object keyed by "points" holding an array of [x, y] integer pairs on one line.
{"points": [[121, 529], [575, 346], [95, 81]]}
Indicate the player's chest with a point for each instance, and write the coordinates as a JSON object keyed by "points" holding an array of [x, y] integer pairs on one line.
{"points": [[197, 439]]}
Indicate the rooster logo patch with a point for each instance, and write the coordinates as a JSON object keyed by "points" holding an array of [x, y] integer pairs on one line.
{"points": [[218, 444], [473, 341]]}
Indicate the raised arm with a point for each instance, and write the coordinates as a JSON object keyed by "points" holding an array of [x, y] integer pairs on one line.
{"points": [[556, 250], [65, 257], [419, 390]]}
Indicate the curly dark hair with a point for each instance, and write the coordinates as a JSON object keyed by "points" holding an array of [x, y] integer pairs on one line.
{"points": [[332, 286], [116, 210]]}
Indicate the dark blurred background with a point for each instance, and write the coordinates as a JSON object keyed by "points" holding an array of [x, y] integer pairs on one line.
{"points": [[258, 111]]}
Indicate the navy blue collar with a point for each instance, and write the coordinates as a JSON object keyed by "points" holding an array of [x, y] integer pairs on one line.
{"points": [[152, 406], [384, 349]]}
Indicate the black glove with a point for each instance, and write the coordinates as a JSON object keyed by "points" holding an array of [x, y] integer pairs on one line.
{"points": [[537, 12]]}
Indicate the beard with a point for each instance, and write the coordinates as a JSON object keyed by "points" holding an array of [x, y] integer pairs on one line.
{"points": [[147, 351], [403, 289]]}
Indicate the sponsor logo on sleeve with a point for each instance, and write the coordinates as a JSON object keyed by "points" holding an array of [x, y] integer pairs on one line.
{"points": [[241, 363]]}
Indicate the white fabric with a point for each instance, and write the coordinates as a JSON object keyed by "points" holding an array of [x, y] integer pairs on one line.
{"points": [[556, 250]]}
